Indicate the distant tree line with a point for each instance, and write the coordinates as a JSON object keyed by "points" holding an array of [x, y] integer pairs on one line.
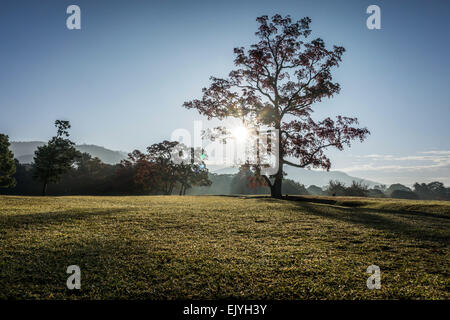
{"points": [[59, 169], [421, 191], [90, 176]]}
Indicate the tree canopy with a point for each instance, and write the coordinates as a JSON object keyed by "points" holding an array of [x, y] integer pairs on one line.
{"points": [[56, 157], [7, 163], [165, 165], [276, 83]]}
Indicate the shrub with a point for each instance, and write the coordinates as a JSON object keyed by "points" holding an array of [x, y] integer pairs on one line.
{"points": [[404, 194], [357, 189]]}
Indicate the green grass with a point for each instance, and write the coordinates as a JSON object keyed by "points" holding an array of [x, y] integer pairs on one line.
{"points": [[170, 247]]}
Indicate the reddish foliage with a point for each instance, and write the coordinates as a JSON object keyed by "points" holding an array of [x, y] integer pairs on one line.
{"points": [[282, 76]]}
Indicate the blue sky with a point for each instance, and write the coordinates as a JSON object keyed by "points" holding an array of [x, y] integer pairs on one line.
{"points": [[122, 78]]}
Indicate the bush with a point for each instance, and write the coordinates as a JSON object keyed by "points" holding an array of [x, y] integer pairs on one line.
{"points": [[315, 190], [336, 188], [357, 189], [432, 191], [292, 187], [404, 194], [394, 187], [376, 193]]}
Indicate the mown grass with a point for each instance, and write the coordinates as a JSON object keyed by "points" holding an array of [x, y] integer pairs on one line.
{"points": [[170, 247]]}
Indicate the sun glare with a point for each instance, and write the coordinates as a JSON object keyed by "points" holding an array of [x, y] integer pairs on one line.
{"points": [[240, 133]]}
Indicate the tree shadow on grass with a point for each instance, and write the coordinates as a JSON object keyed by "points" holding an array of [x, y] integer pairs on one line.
{"points": [[100, 262], [361, 203], [53, 217], [429, 229], [110, 269]]}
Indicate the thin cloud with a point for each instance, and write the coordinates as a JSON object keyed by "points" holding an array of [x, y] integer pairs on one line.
{"points": [[436, 152], [428, 160]]}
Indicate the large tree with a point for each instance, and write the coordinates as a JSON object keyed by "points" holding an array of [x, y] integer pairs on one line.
{"points": [[56, 157], [7, 164], [276, 84]]}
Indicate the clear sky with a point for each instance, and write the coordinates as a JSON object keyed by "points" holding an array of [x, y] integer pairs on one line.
{"points": [[122, 78]]}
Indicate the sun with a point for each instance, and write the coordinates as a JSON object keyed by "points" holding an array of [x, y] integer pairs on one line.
{"points": [[240, 133]]}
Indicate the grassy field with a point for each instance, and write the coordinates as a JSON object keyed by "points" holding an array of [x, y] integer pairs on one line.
{"points": [[208, 247]]}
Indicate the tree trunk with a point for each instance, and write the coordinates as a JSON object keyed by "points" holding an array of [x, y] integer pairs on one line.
{"points": [[275, 188], [170, 189], [44, 188]]}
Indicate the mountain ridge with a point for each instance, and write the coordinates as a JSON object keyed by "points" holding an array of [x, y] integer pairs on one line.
{"points": [[24, 151], [308, 177]]}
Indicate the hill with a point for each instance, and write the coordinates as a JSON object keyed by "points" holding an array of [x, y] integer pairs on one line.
{"points": [[24, 152], [209, 247], [321, 178], [307, 177]]}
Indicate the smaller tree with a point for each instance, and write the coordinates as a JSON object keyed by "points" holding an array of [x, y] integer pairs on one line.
{"points": [[165, 165], [336, 188], [7, 164], [404, 194], [315, 190], [190, 167], [376, 193], [246, 182], [145, 173], [190, 175], [56, 157], [161, 156], [381, 187], [394, 187], [432, 191], [293, 187], [357, 189]]}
